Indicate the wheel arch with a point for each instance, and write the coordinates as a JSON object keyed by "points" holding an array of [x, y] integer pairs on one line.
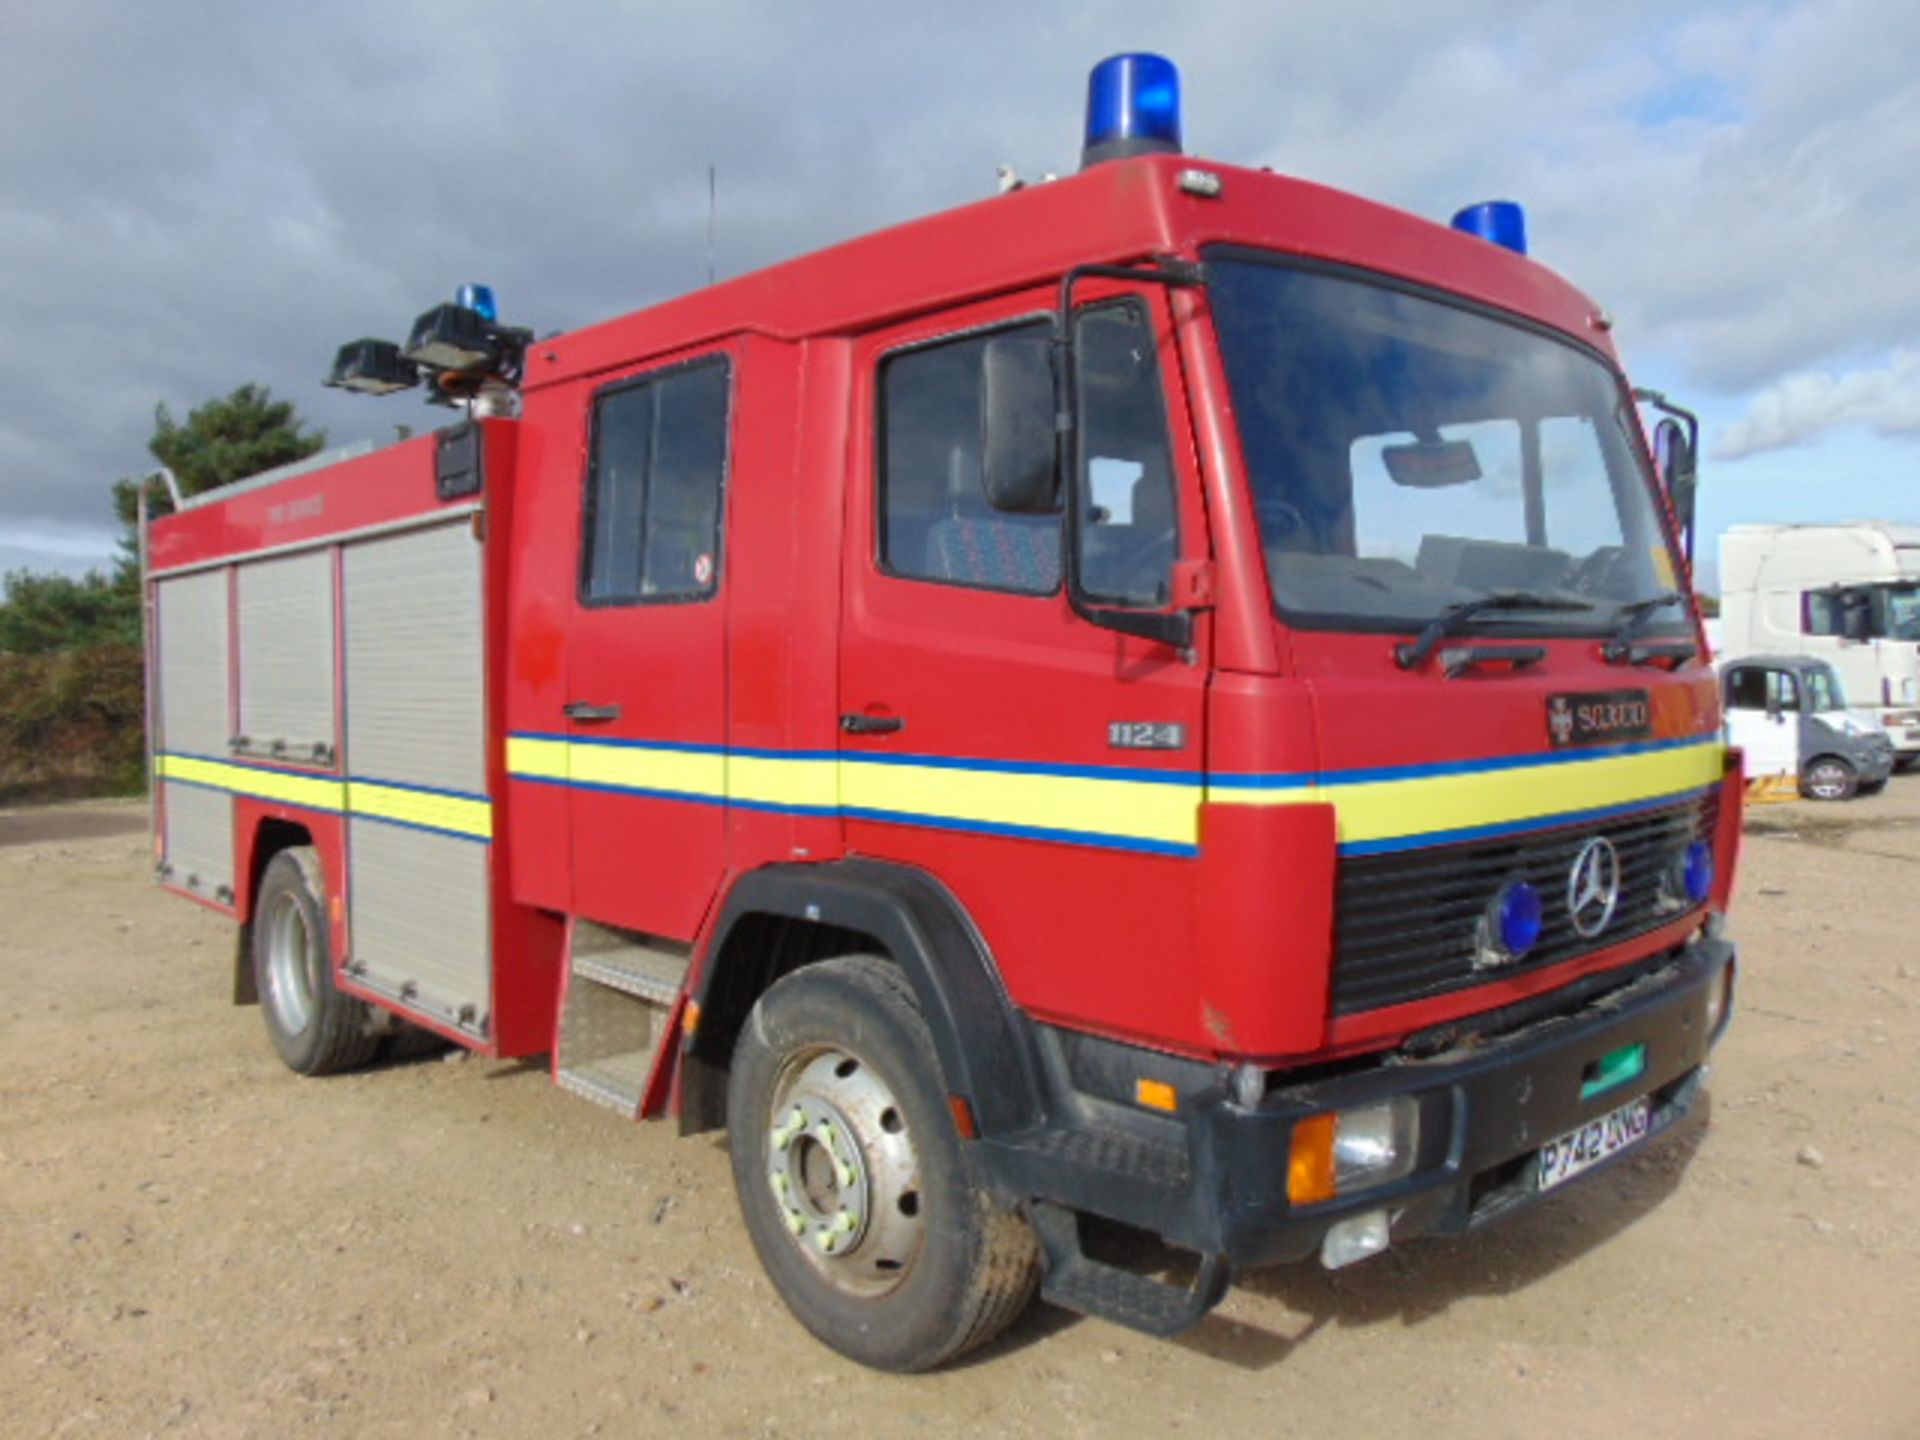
{"points": [[782, 918], [269, 838]]}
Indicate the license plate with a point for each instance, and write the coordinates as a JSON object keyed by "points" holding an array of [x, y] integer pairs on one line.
{"points": [[1603, 1136]]}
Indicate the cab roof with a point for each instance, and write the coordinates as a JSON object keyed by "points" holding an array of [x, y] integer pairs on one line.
{"points": [[1120, 211]]}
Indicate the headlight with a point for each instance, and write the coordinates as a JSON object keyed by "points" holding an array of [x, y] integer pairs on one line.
{"points": [[1343, 1151]]}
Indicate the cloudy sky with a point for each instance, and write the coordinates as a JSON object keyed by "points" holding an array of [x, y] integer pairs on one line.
{"points": [[197, 195]]}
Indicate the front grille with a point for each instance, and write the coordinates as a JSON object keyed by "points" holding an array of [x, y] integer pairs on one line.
{"points": [[1407, 924]]}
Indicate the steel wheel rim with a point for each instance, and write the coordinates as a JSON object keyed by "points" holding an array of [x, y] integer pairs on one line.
{"points": [[292, 974], [843, 1171], [1827, 781]]}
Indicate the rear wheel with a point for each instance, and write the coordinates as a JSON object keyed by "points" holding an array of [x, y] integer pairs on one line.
{"points": [[1829, 778], [316, 1029], [851, 1178]]}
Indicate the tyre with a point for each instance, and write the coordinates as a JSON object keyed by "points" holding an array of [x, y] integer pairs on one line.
{"points": [[316, 1029], [1829, 778], [851, 1179]]}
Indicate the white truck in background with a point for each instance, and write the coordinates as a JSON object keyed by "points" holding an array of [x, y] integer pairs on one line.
{"points": [[1848, 594]]}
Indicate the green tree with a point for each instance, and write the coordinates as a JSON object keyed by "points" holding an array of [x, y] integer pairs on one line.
{"points": [[219, 442], [41, 614]]}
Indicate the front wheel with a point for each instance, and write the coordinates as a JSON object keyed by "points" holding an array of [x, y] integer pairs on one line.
{"points": [[851, 1180], [1830, 778], [315, 1028]]}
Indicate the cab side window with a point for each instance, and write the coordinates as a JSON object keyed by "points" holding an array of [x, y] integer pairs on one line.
{"points": [[654, 487], [1747, 689], [1821, 613], [935, 522], [1128, 539]]}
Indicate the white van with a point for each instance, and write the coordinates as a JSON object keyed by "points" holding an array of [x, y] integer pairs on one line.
{"points": [[1848, 594]]}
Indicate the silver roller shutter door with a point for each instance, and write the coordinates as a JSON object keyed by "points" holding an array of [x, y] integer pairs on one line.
{"points": [[197, 828], [416, 716], [286, 656]]}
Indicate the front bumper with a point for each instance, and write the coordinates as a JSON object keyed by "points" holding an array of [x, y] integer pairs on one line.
{"points": [[1875, 764], [1217, 1180]]}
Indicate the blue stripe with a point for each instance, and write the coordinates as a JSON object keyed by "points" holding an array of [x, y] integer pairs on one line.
{"points": [[416, 825], [644, 792], [300, 773], [346, 812], [1026, 832], [1363, 775], [1517, 827], [897, 817], [418, 789], [1224, 780], [1129, 773], [615, 742], [936, 762]]}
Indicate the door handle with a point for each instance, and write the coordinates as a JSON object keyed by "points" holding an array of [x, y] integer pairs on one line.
{"points": [[872, 724], [588, 714]]}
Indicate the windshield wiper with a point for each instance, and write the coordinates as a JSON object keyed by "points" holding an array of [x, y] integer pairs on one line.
{"points": [[1620, 649], [1412, 655]]}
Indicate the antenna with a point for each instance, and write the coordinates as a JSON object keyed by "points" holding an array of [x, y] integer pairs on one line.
{"points": [[712, 189]]}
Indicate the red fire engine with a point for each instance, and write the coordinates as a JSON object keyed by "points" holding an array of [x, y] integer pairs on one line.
{"points": [[1166, 695]]}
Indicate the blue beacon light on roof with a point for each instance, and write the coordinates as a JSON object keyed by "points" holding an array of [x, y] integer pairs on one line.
{"points": [[478, 298], [1133, 108], [1500, 222]]}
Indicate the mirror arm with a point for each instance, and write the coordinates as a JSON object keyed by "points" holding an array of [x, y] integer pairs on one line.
{"points": [[1173, 627], [1690, 423]]}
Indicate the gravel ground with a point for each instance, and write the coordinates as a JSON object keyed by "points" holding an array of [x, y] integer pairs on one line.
{"points": [[195, 1242]]}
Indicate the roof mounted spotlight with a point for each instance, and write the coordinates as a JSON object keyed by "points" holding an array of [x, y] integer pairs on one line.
{"points": [[452, 337], [1499, 222], [1133, 108], [372, 367]]}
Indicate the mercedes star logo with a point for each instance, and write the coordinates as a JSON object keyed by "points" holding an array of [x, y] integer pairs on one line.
{"points": [[1593, 886]]}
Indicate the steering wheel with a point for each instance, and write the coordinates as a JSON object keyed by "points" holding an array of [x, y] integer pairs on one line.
{"points": [[1280, 521]]}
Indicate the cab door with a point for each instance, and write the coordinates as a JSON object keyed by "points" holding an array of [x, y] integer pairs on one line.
{"points": [[1763, 719], [1044, 768], [645, 713]]}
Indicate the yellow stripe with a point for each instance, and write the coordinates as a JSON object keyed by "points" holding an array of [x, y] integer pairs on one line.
{"points": [[417, 807], [771, 780], [537, 759], [453, 813], [310, 790], [1125, 809], [1421, 805], [685, 772], [1120, 808]]}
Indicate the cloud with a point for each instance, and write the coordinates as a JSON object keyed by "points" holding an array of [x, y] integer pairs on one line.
{"points": [[1793, 411], [210, 195]]}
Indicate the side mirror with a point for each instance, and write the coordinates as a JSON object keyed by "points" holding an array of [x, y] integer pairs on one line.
{"points": [[1019, 451], [1679, 470]]}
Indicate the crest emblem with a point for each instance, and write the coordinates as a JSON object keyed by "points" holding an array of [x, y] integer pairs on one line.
{"points": [[1560, 719]]}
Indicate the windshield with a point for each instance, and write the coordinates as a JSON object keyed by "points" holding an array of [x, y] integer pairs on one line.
{"points": [[1823, 691], [1406, 455]]}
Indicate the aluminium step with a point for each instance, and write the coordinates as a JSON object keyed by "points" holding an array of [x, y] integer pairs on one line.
{"points": [[1074, 1280], [620, 994], [615, 1081]]}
